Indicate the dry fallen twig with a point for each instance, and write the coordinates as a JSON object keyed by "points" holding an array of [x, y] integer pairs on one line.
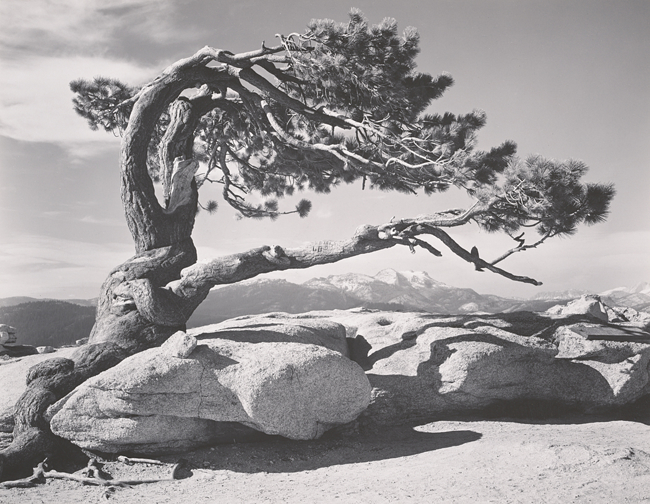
{"points": [[33, 480], [93, 475], [131, 461]]}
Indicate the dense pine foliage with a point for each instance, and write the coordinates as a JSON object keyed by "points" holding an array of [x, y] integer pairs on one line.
{"points": [[347, 103]]}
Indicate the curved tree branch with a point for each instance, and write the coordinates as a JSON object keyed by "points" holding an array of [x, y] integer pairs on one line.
{"points": [[522, 247], [478, 262], [196, 280], [150, 225]]}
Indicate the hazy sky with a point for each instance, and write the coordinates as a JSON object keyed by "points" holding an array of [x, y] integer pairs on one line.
{"points": [[563, 78]]}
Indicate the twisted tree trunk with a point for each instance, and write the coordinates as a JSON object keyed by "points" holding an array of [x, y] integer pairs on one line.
{"points": [[134, 310]]}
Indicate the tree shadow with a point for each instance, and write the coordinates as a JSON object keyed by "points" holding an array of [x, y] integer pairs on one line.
{"points": [[555, 412], [277, 454], [412, 400]]}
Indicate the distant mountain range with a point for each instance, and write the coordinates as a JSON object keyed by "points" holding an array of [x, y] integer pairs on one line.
{"points": [[637, 297], [388, 289], [16, 300], [51, 322], [48, 322]]}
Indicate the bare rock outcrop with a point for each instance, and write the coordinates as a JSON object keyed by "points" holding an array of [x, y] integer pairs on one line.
{"points": [[281, 327], [428, 366], [180, 344], [8, 344], [7, 335], [298, 375], [626, 315], [588, 304], [163, 399]]}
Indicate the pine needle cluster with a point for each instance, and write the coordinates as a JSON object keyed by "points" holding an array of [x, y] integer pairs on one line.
{"points": [[343, 102]]}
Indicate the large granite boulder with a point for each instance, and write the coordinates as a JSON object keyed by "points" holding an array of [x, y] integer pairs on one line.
{"points": [[199, 386], [588, 304], [7, 335], [280, 327], [8, 346], [629, 316], [619, 354], [290, 375]]}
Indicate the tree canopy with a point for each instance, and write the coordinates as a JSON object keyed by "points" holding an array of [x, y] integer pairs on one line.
{"points": [[338, 103]]}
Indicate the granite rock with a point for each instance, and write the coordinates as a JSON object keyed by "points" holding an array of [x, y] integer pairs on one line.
{"points": [[289, 388]]}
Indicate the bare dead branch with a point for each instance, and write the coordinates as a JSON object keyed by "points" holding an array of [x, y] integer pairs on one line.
{"points": [[133, 460], [36, 478], [253, 78], [521, 248], [480, 263], [93, 475], [197, 280]]}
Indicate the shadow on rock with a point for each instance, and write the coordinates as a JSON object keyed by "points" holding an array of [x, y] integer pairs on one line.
{"points": [[556, 413], [519, 323]]}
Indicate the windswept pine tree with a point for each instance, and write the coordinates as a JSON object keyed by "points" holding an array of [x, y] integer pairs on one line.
{"points": [[338, 103]]}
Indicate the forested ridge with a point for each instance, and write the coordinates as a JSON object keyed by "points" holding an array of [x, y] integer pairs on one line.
{"points": [[50, 322]]}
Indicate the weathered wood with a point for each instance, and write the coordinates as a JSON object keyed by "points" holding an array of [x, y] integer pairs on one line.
{"points": [[196, 280], [93, 475], [135, 460], [134, 311]]}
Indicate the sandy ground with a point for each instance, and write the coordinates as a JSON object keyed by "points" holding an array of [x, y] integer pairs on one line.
{"points": [[565, 461]]}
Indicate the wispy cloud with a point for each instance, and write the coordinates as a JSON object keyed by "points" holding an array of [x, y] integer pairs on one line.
{"points": [[40, 267], [50, 267], [36, 102], [44, 45], [88, 27], [89, 219]]}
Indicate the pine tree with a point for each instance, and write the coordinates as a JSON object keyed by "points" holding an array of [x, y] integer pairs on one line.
{"points": [[339, 103]]}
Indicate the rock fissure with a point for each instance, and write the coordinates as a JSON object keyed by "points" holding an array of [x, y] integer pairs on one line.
{"points": [[200, 406], [144, 394]]}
